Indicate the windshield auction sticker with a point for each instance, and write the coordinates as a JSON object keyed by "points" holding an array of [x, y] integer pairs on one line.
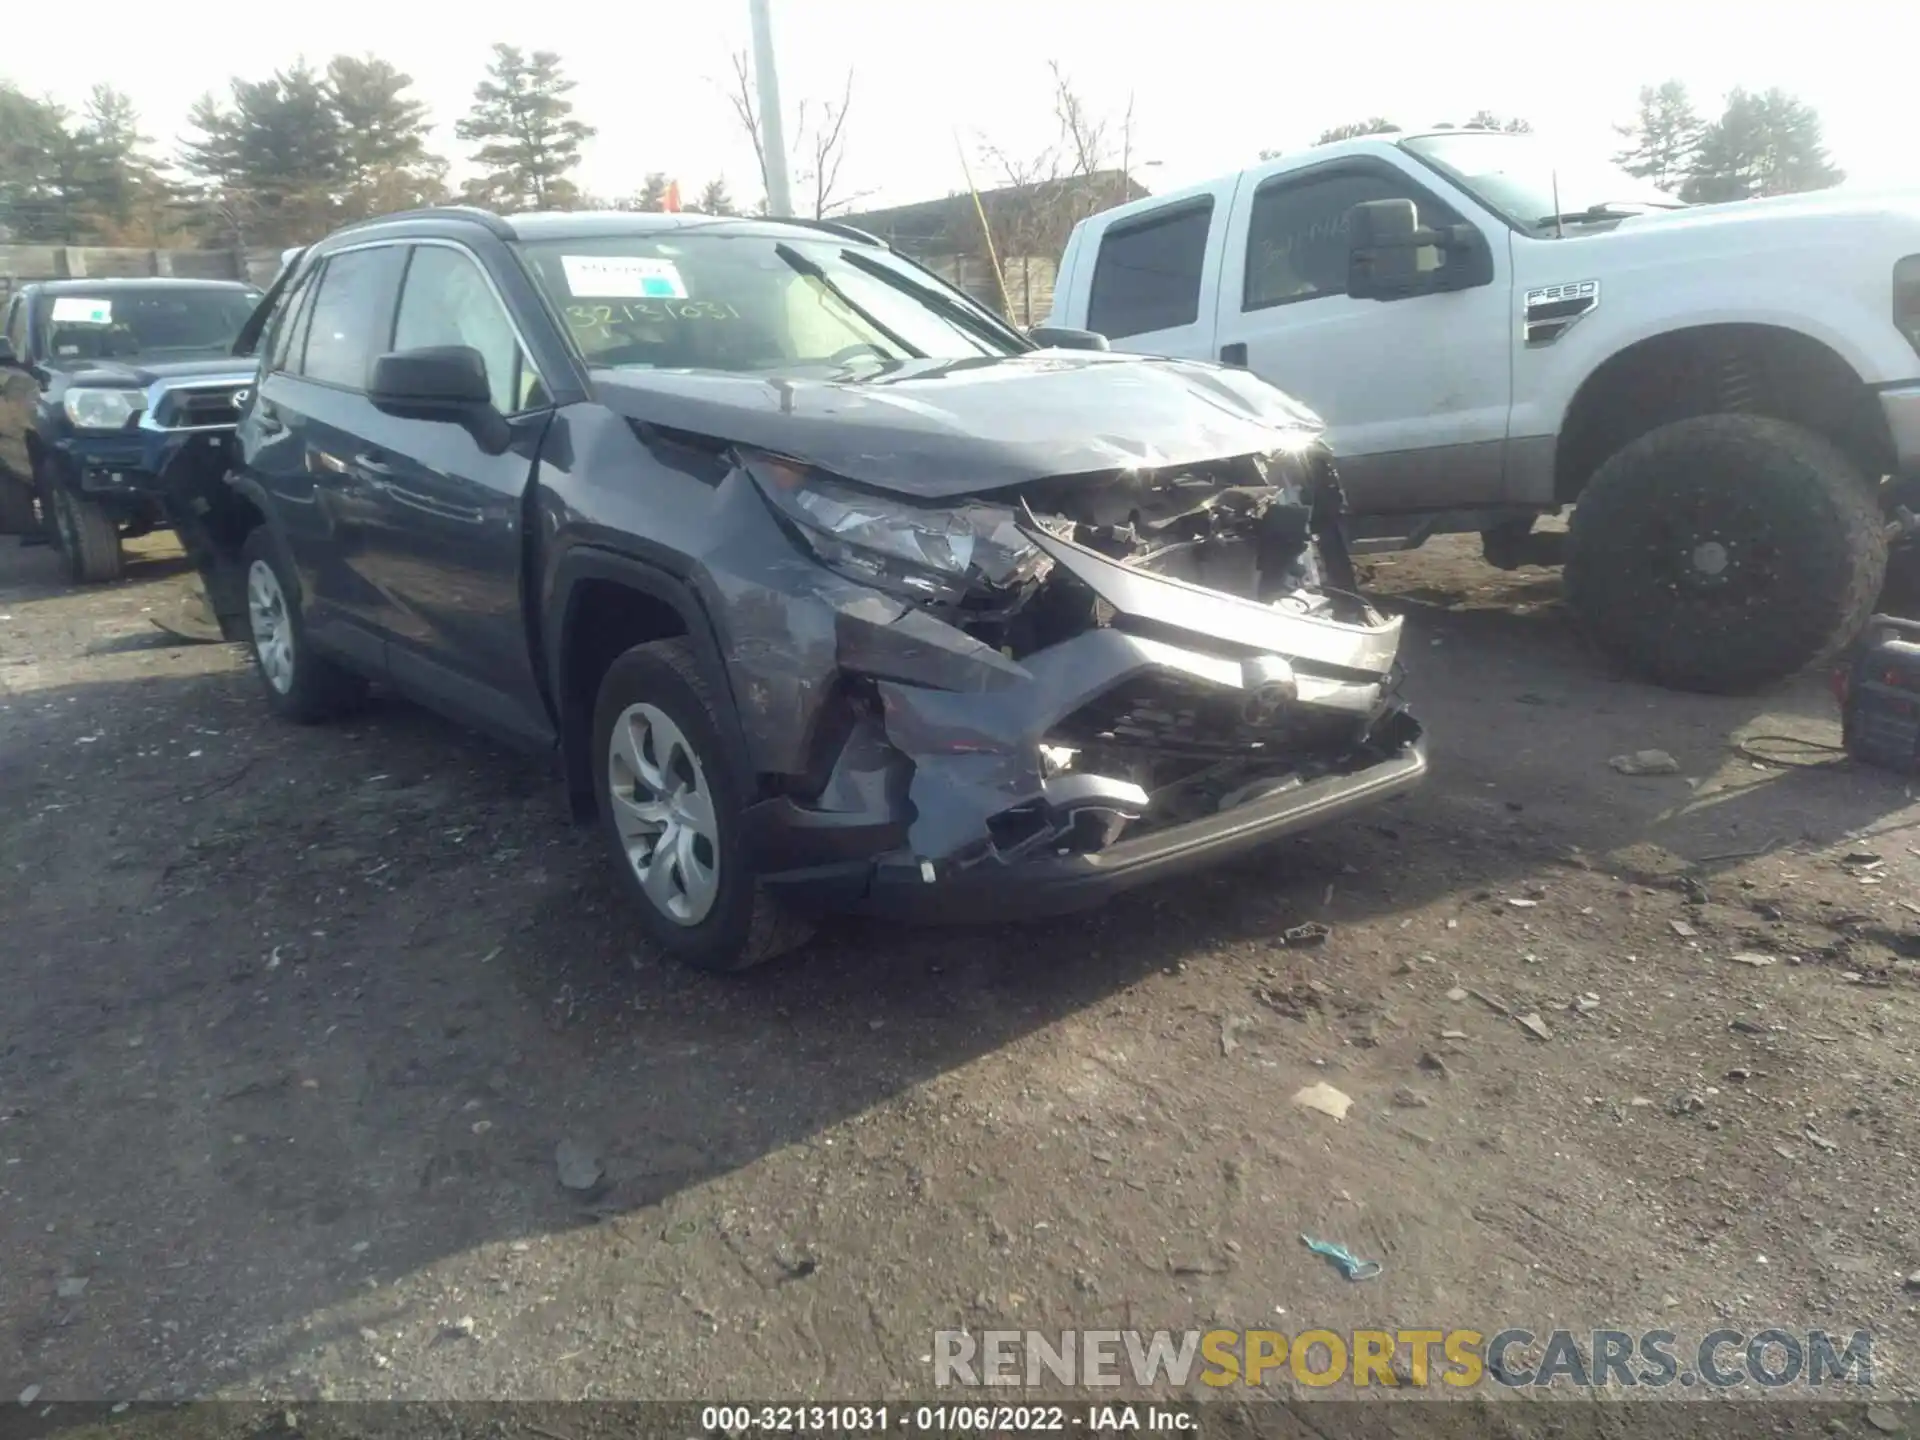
{"points": [[623, 277], [81, 310]]}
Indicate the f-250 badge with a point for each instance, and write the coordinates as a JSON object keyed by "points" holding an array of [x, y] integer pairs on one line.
{"points": [[1552, 310]]}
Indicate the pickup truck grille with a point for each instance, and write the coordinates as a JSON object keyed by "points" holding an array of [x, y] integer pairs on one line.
{"points": [[198, 407]]}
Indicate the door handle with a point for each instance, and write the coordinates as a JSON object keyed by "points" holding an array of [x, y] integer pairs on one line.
{"points": [[369, 464], [1234, 354]]}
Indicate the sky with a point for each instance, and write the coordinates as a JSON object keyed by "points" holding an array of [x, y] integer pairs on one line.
{"points": [[1211, 82]]}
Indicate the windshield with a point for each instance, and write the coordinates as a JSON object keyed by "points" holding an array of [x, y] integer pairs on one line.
{"points": [[697, 300], [1519, 176], [130, 324]]}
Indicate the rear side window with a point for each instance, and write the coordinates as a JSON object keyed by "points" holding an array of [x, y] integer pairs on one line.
{"points": [[287, 336], [352, 318], [1148, 274], [1299, 233]]}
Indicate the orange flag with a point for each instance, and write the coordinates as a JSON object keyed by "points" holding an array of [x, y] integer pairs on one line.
{"points": [[671, 203]]}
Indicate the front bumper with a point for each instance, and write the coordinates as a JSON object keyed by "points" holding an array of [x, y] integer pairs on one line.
{"points": [[1046, 885]]}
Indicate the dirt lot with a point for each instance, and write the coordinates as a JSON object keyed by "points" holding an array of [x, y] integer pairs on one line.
{"points": [[294, 1021]]}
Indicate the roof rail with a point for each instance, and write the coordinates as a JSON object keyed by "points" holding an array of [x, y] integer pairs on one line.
{"points": [[832, 227], [471, 213]]}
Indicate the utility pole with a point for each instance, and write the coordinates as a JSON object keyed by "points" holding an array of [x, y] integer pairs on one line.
{"points": [[773, 140]]}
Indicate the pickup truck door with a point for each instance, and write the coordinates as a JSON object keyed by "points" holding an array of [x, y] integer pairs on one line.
{"points": [[1155, 270], [444, 543], [1415, 391]]}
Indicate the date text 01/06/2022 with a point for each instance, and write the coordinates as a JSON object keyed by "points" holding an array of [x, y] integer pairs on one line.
{"points": [[964, 1419]]}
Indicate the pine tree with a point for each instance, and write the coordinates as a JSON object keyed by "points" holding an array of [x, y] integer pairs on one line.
{"points": [[1665, 137], [714, 200], [34, 154], [121, 191], [1487, 120], [274, 159], [528, 138], [1767, 144], [653, 195], [1375, 126], [384, 138]]}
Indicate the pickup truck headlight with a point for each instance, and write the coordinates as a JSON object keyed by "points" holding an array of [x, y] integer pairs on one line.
{"points": [[103, 409], [935, 553], [1906, 299]]}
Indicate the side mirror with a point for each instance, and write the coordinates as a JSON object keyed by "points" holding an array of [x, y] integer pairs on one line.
{"points": [[7, 357], [1393, 256], [1054, 337], [440, 382]]}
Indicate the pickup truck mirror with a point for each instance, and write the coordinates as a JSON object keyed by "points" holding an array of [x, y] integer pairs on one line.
{"points": [[1394, 256], [439, 382], [1058, 337]]}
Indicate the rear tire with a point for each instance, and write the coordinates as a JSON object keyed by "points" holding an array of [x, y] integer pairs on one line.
{"points": [[671, 783], [89, 538], [1720, 553], [17, 516], [301, 686]]}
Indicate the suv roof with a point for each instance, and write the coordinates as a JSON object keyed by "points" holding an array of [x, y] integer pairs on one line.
{"points": [[586, 224], [131, 282]]}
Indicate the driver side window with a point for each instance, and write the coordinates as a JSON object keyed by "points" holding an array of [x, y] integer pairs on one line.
{"points": [[1298, 233], [445, 300]]}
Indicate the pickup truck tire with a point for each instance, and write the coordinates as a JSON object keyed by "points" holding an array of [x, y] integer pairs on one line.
{"points": [[89, 538], [301, 685], [16, 506], [1723, 552], [661, 758]]}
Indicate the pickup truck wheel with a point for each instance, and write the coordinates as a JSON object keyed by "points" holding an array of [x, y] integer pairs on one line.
{"points": [[16, 507], [89, 538], [1726, 551], [671, 792], [300, 685]]}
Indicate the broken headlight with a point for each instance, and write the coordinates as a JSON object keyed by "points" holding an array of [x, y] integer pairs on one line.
{"points": [[935, 553]]}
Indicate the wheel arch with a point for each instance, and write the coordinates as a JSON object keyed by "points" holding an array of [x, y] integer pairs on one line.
{"points": [[600, 604], [1759, 368]]}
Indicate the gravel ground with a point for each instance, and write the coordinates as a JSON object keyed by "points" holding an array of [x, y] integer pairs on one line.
{"points": [[300, 1025]]}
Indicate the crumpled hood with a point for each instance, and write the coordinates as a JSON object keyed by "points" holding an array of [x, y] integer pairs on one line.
{"points": [[935, 429], [137, 374]]}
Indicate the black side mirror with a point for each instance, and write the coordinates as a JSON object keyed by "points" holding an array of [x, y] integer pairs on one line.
{"points": [[1057, 337], [1387, 239], [440, 382]]}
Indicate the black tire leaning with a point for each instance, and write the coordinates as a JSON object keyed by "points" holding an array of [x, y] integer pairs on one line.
{"points": [[16, 507], [89, 538], [1804, 536], [745, 926], [320, 689]]}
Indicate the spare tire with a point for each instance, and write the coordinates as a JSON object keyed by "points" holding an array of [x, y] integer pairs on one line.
{"points": [[1724, 552]]}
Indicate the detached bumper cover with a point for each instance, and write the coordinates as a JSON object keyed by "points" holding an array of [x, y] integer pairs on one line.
{"points": [[1061, 884]]}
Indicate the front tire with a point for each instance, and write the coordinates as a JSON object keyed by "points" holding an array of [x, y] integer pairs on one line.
{"points": [[89, 538], [671, 790], [300, 685], [1724, 552]]}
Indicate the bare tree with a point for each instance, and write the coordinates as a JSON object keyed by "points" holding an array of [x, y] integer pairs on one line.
{"points": [[819, 140], [1046, 193]]}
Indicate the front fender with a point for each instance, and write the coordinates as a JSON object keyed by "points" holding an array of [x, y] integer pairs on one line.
{"points": [[1854, 321]]}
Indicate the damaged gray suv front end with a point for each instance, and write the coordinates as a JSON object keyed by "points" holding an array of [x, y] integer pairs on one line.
{"points": [[1007, 636]]}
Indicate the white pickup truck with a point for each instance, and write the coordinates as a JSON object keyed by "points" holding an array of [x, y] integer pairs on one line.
{"points": [[1731, 393]]}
